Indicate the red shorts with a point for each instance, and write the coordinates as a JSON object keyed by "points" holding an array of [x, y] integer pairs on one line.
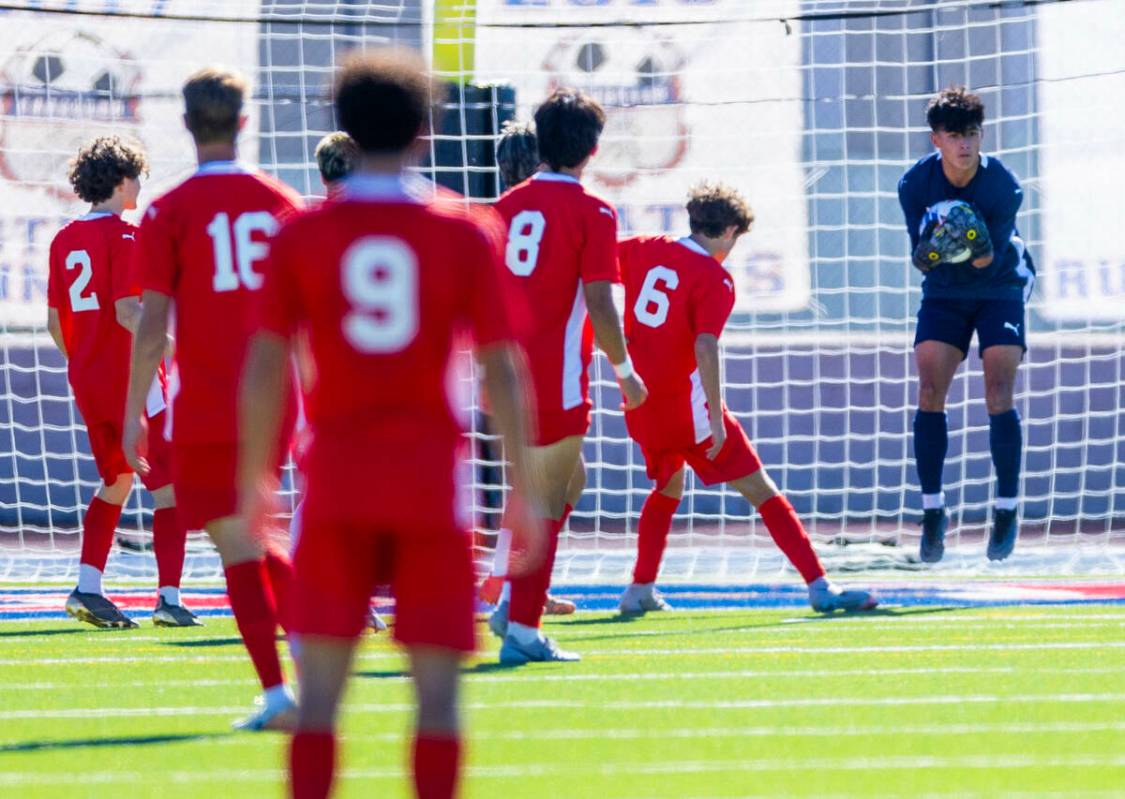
{"points": [[666, 453], [554, 425], [206, 482], [105, 446], [430, 571]]}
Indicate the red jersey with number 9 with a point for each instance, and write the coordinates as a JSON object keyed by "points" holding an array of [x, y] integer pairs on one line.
{"points": [[560, 237], [90, 271], [204, 244], [388, 286]]}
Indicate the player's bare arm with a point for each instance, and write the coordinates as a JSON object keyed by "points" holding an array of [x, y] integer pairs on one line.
{"points": [[148, 348], [506, 389], [128, 312], [54, 327], [260, 408], [707, 359], [607, 331]]}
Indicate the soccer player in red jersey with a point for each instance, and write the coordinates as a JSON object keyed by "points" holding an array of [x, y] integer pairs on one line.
{"points": [[678, 297], [200, 248], [93, 309], [386, 282], [561, 255]]}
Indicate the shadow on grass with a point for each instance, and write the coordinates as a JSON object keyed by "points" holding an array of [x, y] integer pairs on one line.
{"points": [[479, 668], [36, 633], [194, 642], [94, 743], [819, 618]]}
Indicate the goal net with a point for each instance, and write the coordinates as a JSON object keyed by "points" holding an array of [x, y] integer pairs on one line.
{"points": [[812, 109]]}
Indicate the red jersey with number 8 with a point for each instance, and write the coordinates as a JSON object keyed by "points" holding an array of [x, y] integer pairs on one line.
{"points": [[204, 244], [560, 237]]}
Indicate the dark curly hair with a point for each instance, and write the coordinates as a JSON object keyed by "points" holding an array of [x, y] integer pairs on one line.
{"points": [[101, 165], [955, 110], [385, 98], [517, 152], [713, 207]]}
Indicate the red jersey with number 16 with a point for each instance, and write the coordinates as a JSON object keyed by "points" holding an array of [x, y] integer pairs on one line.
{"points": [[203, 244], [560, 237]]}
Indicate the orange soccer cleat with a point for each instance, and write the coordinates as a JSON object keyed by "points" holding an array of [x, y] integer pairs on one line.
{"points": [[558, 607]]}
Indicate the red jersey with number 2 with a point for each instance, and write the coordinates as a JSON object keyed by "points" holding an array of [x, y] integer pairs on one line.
{"points": [[204, 244], [560, 237]]}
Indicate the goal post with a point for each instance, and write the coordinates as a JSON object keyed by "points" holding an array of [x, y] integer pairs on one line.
{"points": [[812, 108]]}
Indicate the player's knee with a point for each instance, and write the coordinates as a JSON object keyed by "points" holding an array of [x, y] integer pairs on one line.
{"points": [[577, 484], [674, 488], [164, 497], [234, 542], [998, 396], [931, 397], [117, 492], [758, 488]]}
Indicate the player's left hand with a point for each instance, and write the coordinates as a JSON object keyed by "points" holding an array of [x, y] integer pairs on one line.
{"points": [[966, 223], [633, 391], [257, 504], [134, 443], [718, 438]]}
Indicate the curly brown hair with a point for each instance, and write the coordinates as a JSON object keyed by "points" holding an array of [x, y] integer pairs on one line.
{"points": [[713, 207], [337, 155], [213, 104], [101, 165], [955, 110]]}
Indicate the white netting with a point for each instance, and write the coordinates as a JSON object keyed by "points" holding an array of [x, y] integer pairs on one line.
{"points": [[813, 109]]}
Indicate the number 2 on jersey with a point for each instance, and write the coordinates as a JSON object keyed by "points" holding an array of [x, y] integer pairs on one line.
{"points": [[380, 282], [652, 304], [524, 236], [78, 302]]}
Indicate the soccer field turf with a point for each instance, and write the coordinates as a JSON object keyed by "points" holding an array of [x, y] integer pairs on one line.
{"points": [[912, 702]]}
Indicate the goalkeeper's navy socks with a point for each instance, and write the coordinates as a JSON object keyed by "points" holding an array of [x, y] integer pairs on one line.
{"points": [[790, 536], [437, 765], [256, 616], [312, 762], [1005, 437], [931, 441]]}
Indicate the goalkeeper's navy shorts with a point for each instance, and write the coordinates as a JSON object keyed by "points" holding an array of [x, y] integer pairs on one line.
{"points": [[953, 321]]}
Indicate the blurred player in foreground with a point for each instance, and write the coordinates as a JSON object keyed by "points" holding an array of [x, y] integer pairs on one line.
{"points": [[678, 297], [561, 257], [960, 208], [200, 248], [411, 278], [517, 157], [93, 310]]}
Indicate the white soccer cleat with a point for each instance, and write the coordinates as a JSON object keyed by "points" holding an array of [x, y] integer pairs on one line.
{"points": [[541, 650], [281, 716], [642, 598], [826, 597]]}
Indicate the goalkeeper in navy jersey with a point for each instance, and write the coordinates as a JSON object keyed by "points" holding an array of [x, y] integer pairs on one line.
{"points": [[960, 207]]}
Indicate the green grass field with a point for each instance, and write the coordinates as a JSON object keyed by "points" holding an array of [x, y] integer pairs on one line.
{"points": [[919, 702]]}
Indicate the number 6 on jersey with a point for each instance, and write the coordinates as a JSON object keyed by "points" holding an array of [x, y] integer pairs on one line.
{"points": [[380, 282], [651, 307]]}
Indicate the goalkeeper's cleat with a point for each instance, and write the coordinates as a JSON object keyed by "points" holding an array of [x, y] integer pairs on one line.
{"points": [[280, 716], [491, 589], [933, 535], [1005, 531], [826, 598], [166, 615], [558, 607], [642, 598], [375, 622], [97, 610], [498, 621], [541, 650]]}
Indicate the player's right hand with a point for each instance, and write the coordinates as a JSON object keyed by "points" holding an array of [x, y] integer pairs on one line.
{"points": [[718, 438], [633, 391], [134, 441]]}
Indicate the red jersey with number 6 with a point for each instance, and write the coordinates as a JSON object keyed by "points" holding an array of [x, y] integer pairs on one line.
{"points": [[559, 238], [674, 291], [386, 285], [203, 244], [89, 271]]}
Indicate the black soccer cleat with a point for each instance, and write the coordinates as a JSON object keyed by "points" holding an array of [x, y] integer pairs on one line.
{"points": [[166, 615], [97, 610], [934, 522], [1005, 531]]}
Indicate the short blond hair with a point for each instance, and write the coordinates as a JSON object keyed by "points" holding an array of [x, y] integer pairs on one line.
{"points": [[213, 99], [337, 155]]}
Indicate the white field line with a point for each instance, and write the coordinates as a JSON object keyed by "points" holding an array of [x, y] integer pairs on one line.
{"points": [[581, 704], [535, 677], [1014, 646], [672, 767]]}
